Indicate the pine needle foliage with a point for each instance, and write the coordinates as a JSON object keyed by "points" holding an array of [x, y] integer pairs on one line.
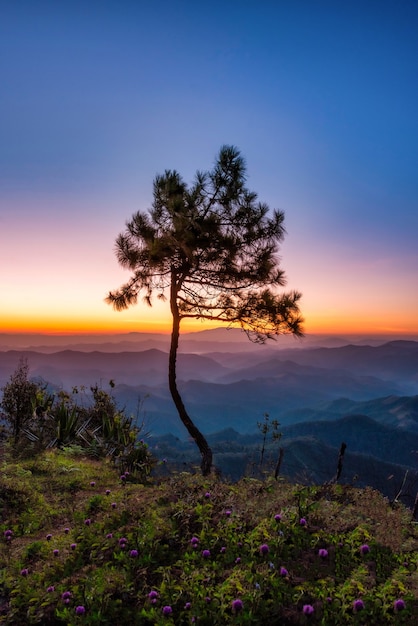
{"points": [[213, 247]]}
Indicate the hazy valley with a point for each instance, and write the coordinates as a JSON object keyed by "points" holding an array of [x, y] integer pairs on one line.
{"points": [[322, 391]]}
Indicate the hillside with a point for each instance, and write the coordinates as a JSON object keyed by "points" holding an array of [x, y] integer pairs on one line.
{"points": [[82, 544]]}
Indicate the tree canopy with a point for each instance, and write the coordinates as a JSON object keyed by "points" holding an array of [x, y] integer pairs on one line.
{"points": [[213, 247]]}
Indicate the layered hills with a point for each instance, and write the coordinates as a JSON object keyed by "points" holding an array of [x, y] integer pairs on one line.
{"points": [[365, 395]]}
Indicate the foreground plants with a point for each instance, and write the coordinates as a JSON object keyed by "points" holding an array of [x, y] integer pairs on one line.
{"points": [[83, 545]]}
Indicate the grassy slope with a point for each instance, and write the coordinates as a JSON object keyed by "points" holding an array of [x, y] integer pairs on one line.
{"points": [[67, 534]]}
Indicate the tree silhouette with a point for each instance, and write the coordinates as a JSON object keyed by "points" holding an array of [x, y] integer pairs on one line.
{"points": [[213, 247]]}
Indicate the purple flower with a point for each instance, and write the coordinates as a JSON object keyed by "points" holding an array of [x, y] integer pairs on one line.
{"points": [[358, 605], [207, 494], [399, 605], [308, 609], [238, 559], [228, 513], [66, 595], [108, 492], [66, 530], [364, 549], [188, 606], [113, 505], [51, 589], [237, 605], [49, 537], [133, 553], [73, 546], [92, 484], [80, 610], [24, 571], [323, 553], [167, 610], [123, 541], [302, 522], [153, 595], [109, 536], [87, 521], [278, 517], [264, 549], [56, 552], [123, 477], [206, 554], [194, 541], [208, 600], [284, 572], [223, 550], [8, 533]]}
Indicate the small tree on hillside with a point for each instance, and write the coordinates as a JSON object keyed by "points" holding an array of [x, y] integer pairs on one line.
{"points": [[213, 247], [19, 396]]}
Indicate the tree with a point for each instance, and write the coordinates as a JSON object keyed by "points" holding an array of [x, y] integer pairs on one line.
{"points": [[19, 396], [214, 248]]}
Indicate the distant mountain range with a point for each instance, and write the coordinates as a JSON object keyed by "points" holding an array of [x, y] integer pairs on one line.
{"points": [[364, 393]]}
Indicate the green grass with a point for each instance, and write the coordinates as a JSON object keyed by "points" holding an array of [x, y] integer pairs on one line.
{"points": [[185, 549]]}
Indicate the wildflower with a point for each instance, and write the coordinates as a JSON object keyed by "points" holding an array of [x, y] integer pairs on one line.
{"points": [[92, 483], [237, 605], [123, 477], [207, 494], [238, 559], [167, 610], [108, 492], [87, 521], [188, 606], [73, 546], [264, 549], [51, 589], [323, 553], [364, 549], [271, 565], [223, 550], [284, 572], [8, 533], [113, 505], [56, 552], [399, 605], [228, 513], [80, 610], [194, 541], [302, 522], [109, 536], [153, 595], [257, 586], [206, 554], [278, 517], [358, 605], [66, 530], [66, 595], [133, 553], [24, 571], [308, 609], [49, 537], [208, 600]]}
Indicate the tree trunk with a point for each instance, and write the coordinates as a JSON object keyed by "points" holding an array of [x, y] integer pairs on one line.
{"points": [[194, 432]]}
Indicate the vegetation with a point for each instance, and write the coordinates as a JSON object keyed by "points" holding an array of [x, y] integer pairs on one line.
{"points": [[36, 420], [214, 248], [82, 544]]}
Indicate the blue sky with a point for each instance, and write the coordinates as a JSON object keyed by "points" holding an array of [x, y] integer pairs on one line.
{"points": [[320, 97]]}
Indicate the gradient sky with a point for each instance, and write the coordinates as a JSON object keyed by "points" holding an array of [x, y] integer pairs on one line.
{"points": [[98, 97]]}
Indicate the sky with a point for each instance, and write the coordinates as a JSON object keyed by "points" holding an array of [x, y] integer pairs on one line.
{"points": [[321, 98]]}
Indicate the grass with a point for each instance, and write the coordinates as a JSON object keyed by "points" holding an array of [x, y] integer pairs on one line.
{"points": [[82, 545]]}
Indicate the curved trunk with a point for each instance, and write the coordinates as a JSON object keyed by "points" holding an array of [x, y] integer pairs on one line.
{"points": [[194, 432]]}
